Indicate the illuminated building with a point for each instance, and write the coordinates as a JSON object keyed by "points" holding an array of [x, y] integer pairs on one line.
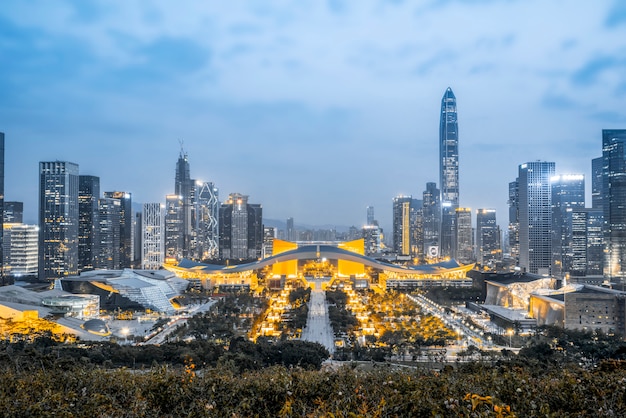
{"points": [[488, 248], [125, 227], [291, 230], [568, 194], [613, 198], [13, 212], [152, 236], [58, 219], [449, 171], [596, 183], [535, 216], [88, 226], [185, 188], [206, 216], [174, 225], [464, 250], [370, 216], [513, 228], [268, 241], [432, 220], [241, 228], [20, 249], [402, 225], [109, 214], [371, 238]]}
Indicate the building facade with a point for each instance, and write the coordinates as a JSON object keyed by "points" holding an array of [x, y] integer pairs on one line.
{"points": [[488, 248], [535, 216], [88, 224], [241, 228], [464, 243], [109, 234], [126, 227], [20, 247], [432, 220], [153, 236], [206, 218], [1, 206], [449, 171], [13, 212], [513, 227], [58, 219], [568, 194]]}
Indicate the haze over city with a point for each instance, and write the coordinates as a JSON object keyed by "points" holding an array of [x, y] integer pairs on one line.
{"points": [[314, 109]]}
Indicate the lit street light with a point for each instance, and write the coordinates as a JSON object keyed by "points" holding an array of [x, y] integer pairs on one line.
{"points": [[510, 334]]}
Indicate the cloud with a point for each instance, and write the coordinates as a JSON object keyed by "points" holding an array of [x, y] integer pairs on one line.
{"points": [[616, 15], [596, 67]]}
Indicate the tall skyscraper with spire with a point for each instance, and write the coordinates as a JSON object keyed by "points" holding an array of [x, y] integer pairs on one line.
{"points": [[448, 171], [184, 187]]}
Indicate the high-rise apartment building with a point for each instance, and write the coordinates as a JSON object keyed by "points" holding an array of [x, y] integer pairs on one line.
{"points": [[488, 249], [13, 212], [153, 236], [613, 203], [568, 194], [464, 248], [20, 249], [206, 208], [449, 171], [432, 219], [535, 216], [241, 228], [58, 219], [88, 225], [126, 227]]}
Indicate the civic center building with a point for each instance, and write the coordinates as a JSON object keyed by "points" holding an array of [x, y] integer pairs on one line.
{"points": [[332, 262]]}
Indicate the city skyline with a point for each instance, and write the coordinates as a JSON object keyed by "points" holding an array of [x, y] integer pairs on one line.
{"points": [[268, 107]]}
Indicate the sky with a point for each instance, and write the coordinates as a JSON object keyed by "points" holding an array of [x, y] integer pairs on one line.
{"points": [[315, 109]]}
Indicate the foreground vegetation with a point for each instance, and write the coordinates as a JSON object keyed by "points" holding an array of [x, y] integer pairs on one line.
{"points": [[506, 389]]}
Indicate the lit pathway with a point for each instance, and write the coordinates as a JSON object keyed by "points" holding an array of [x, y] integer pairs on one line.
{"points": [[318, 327]]}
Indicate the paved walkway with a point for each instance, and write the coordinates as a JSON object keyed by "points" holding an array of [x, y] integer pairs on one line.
{"points": [[318, 327]]}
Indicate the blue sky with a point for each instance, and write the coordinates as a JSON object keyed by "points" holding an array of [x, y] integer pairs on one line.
{"points": [[314, 108]]}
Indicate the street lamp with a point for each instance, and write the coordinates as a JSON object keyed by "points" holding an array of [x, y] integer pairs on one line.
{"points": [[125, 332]]}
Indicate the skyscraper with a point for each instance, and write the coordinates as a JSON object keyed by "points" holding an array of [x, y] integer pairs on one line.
{"points": [[20, 249], [432, 219], [88, 226], [13, 212], [449, 171], [402, 225], [488, 248], [185, 188], [125, 227], [535, 216], [241, 228], [568, 194], [464, 248], [291, 230], [370, 216], [153, 234], [206, 217], [174, 225], [513, 228], [58, 219], [109, 233], [596, 183], [613, 198]]}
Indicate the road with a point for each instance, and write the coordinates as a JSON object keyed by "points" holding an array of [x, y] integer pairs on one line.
{"points": [[318, 327]]}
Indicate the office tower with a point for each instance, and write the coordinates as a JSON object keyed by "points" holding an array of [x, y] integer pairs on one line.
{"points": [[535, 216], [568, 193], [268, 241], [432, 220], [587, 243], [1, 206], [402, 225], [371, 239], [370, 216], [137, 237], [488, 249], [513, 228], [417, 229], [153, 236], [206, 220], [613, 198], [464, 248], [291, 230], [58, 219], [13, 212], [109, 233], [88, 225], [20, 249], [241, 228], [596, 183], [185, 188], [449, 171], [126, 227], [595, 242], [174, 226]]}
